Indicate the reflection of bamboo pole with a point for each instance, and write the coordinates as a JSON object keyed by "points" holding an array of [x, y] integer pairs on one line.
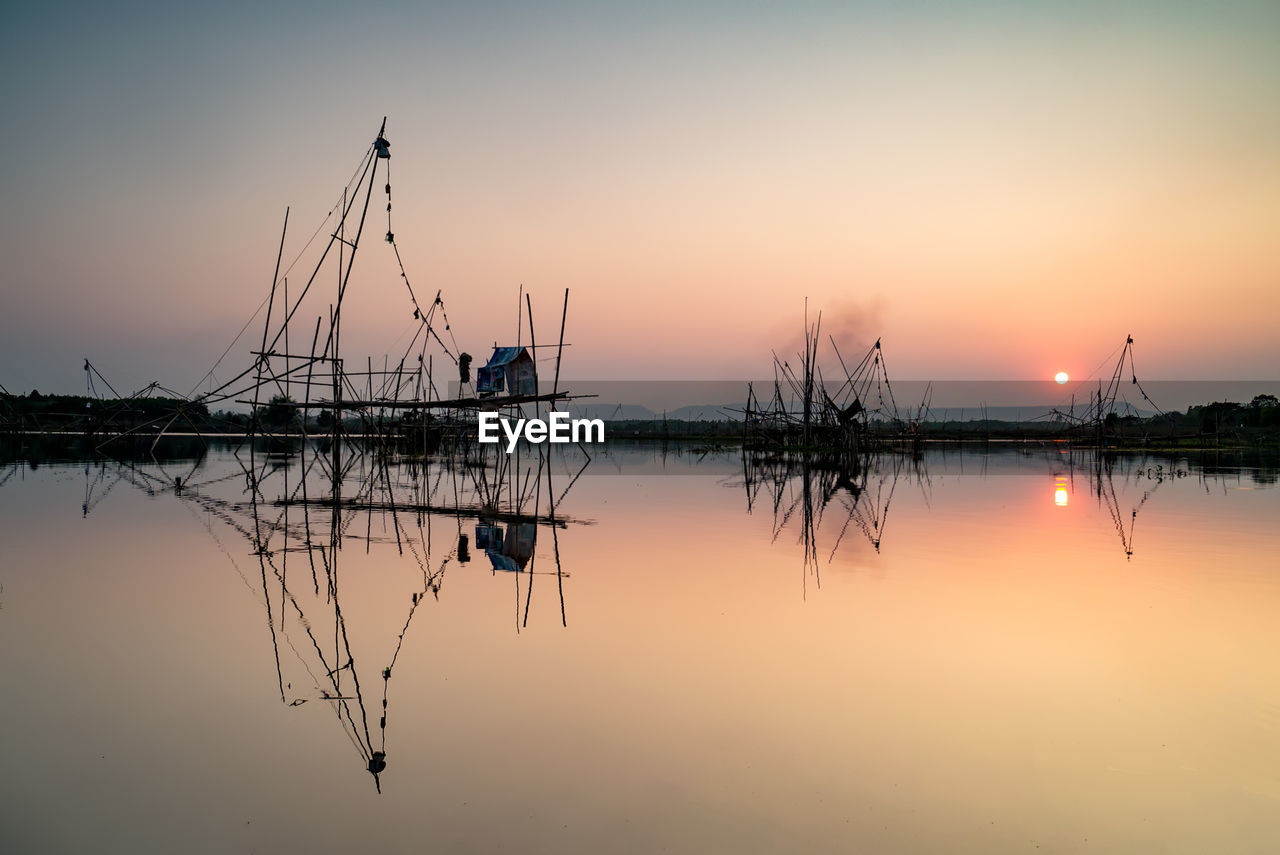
{"points": [[261, 551], [555, 537], [537, 498], [486, 510]]}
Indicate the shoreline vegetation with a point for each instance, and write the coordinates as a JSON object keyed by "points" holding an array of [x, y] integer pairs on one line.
{"points": [[39, 419]]}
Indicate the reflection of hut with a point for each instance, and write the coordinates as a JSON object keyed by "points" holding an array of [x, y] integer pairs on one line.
{"points": [[509, 549], [510, 370]]}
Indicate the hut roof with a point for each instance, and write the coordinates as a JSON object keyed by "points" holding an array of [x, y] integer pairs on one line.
{"points": [[505, 356]]}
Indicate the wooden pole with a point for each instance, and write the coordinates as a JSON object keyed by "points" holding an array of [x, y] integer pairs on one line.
{"points": [[266, 325], [555, 387]]}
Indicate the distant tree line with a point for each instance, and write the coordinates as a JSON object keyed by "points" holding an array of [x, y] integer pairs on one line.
{"points": [[1257, 420], [40, 412], [1224, 421]]}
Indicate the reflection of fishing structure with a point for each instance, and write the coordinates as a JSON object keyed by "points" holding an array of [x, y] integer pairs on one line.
{"points": [[326, 604], [801, 411], [801, 490], [1105, 470], [503, 505]]}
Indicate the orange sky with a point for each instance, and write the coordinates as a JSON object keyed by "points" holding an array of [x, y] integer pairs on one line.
{"points": [[997, 192]]}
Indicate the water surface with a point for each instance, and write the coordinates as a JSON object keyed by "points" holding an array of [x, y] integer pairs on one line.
{"points": [[973, 651]]}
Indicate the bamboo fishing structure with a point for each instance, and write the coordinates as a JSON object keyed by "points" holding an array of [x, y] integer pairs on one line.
{"points": [[336, 443], [802, 414]]}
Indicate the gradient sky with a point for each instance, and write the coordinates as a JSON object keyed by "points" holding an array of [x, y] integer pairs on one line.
{"points": [[1000, 190]]}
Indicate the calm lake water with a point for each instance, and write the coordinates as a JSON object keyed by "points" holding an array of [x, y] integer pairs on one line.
{"points": [[976, 651]]}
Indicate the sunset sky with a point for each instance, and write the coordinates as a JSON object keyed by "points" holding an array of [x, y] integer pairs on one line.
{"points": [[999, 190]]}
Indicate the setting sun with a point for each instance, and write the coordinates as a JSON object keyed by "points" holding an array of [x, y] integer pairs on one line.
{"points": [[1061, 377]]}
